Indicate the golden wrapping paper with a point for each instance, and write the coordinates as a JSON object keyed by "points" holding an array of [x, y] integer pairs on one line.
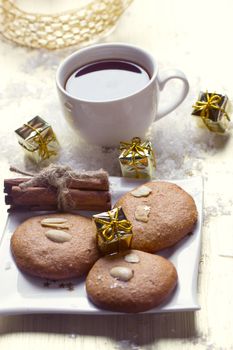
{"points": [[114, 231], [213, 109], [38, 139], [137, 159]]}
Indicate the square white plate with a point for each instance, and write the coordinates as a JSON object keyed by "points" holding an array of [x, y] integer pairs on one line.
{"points": [[20, 293]]}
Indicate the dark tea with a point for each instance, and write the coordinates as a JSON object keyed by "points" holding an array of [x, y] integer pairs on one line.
{"points": [[106, 80]]}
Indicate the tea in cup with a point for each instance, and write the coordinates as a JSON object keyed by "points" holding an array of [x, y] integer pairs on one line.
{"points": [[110, 92]]}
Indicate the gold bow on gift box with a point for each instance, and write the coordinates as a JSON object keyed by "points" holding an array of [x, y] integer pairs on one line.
{"points": [[137, 159], [38, 139], [114, 231], [212, 109]]}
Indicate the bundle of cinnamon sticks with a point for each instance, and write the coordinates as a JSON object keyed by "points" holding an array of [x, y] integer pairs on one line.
{"points": [[91, 193]]}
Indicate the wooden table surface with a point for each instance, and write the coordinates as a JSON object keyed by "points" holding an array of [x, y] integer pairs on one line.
{"points": [[195, 37]]}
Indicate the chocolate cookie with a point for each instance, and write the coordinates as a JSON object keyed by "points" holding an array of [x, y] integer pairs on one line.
{"points": [[55, 246], [134, 281], [161, 214]]}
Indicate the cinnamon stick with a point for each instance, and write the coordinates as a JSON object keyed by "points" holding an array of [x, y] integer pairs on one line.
{"points": [[104, 207], [47, 197], [91, 183], [81, 191]]}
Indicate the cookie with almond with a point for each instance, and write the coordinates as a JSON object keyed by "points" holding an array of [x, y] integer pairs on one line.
{"points": [[55, 246], [133, 281], [161, 214]]}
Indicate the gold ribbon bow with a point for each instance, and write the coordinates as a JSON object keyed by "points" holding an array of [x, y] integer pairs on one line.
{"points": [[212, 102], [110, 229], [135, 147], [42, 143]]}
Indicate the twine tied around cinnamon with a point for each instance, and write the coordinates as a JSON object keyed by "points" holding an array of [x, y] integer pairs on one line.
{"points": [[57, 177]]}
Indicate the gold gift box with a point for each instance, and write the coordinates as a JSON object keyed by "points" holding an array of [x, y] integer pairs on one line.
{"points": [[213, 111], [137, 159], [114, 231], [38, 139]]}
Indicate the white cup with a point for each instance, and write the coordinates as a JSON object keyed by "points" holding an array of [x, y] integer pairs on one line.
{"points": [[106, 123]]}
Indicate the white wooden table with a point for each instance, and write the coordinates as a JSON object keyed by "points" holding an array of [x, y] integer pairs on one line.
{"points": [[195, 37]]}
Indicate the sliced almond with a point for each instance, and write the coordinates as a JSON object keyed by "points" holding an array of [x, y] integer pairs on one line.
{"points": [[132, 258], [58, 236], [55, 222], [121, 273], [57, 225], [142, 213], [142, 191]]}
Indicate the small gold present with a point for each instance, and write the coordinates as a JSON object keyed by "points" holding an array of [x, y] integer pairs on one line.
{"points": [[114, 231], [137, 159], [213, 109], [38, 139]]}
